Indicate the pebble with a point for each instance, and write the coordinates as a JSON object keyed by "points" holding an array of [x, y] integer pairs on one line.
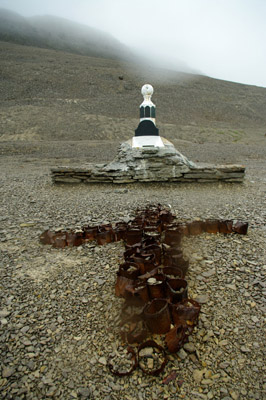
{"points": [[7, 372], [202, 299], [232, 287], [197, 375], [209, 273], [59, 304], [182, 354], [189, 347], [102, 360], [4, 313], [206, 381], [208, 374], [234, 395], [245, 349], [255, 319], [84, 392]]}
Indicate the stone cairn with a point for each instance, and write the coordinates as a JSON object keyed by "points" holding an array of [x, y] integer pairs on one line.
{"points": [[148, 157]]}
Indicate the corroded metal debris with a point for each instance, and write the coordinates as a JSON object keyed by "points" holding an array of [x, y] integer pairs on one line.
{"points": [[151, 357], [151, 279], [129, 364]]}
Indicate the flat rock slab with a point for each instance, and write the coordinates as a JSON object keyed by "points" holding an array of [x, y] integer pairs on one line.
{"points": [[154, 164]]}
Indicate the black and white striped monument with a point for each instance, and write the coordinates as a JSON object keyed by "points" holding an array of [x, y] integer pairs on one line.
{"points": [[148, 157], [147, 134]]}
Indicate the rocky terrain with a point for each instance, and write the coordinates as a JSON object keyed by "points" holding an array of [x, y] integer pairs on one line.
{"points": [[59, 315]]}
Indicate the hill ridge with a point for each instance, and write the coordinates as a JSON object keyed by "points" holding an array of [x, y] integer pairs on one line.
{"points": [[58, 33]]}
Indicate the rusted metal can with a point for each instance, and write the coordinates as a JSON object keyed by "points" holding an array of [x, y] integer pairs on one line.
{"points": [[129, 269], [119, 231], [184, 266], [74, 238], [149, 274], [157, 316], [145, 264], [105, 228], [226, 226], [171, 250], [173, 260], [196, 227], [212, 226], [166, 216], [141, 292], [176, 338], [172, 272], [149, 240], [59, 240], [122, 284], [172, 236], [187, 310], [47, 237], [90, 232], [156, 286], [176, 290], [154, 249], [183, 228], [153, 226], [105, 237], [240, 227], [133, 236]]}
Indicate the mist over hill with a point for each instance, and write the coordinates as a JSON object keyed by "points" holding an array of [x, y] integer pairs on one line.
{"points": [[59, 34], [64, 81]]}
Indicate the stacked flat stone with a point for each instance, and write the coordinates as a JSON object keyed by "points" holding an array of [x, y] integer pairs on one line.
{"points": [[149, 164]]}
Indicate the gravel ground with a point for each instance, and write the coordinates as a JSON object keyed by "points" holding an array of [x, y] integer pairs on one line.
{"points": [[59, 316]]}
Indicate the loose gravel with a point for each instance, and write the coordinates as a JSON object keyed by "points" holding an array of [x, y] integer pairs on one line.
{"points": [[59, 317]]}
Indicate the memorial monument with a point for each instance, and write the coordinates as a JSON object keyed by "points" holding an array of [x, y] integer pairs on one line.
{"points": [[147, 134], [148, 157]]}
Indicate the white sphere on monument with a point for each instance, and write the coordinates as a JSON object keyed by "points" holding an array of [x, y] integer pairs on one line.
{"points": [[147, 91]]}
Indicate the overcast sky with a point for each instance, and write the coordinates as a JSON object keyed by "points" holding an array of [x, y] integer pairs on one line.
{"points": [[224, 39]]}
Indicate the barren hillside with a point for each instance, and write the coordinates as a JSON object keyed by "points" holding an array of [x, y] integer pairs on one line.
{"points": [[54, 95]]}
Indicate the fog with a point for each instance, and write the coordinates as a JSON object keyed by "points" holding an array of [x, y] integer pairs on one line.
{"points": [[224, 39]]}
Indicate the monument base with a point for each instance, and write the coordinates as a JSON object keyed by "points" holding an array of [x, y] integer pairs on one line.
{"points": [[147, 141], [149, 164]]}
